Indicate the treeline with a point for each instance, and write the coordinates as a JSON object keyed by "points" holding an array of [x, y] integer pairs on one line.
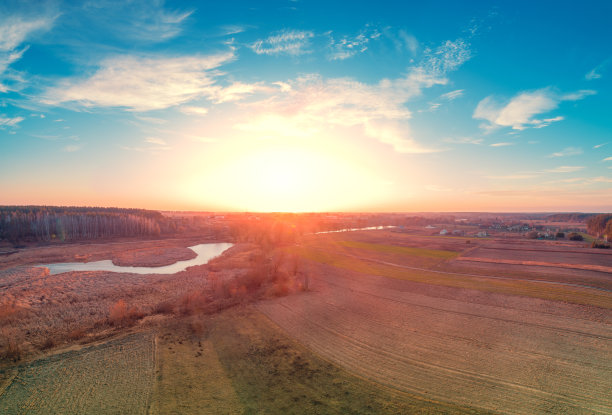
{"points": [[570, 217], [600, 225], [47, 223]]}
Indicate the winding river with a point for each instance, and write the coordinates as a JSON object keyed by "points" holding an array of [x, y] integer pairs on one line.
{"points": [[205, 252]]}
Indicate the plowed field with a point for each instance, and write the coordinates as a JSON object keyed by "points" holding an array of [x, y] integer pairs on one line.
{"points": [[111, 378], [490, 350]]}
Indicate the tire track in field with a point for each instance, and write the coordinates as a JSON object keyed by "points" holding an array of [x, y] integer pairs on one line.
{"points": [[471, 356]]}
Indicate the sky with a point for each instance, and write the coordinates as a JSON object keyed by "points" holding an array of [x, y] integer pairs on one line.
{"points": [[307, 105]]}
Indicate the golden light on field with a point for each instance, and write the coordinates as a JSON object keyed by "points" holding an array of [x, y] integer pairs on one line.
{"points": [[289, 179]]}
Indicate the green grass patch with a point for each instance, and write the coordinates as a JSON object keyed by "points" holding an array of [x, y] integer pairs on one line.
{"points": [[403, 250], [533, 289]]}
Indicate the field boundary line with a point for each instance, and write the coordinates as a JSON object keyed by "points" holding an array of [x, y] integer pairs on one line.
{"points": [[8, 382], [568, 284], [585, 267], [465, 313]]}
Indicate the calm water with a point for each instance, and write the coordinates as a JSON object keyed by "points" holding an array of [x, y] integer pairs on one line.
{"points": [[369, 228], [205, 252]]}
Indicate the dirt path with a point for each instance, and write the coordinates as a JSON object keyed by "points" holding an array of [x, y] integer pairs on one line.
{"points": [[513, 355]]}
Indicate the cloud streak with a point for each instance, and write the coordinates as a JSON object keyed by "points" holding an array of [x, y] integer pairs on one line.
{"points": [[14, 31], [146, 83], [286, 42], [346, 47], [520, 112], [568, 151]]}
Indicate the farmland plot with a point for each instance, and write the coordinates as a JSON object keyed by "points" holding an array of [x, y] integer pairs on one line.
{"points": [[508, 354], [110, 378]]}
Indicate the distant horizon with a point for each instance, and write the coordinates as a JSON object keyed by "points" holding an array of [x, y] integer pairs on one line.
{"points": [[307, 212]]}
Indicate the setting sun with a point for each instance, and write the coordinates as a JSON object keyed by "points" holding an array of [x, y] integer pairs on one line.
{"points": [[289, 179]]}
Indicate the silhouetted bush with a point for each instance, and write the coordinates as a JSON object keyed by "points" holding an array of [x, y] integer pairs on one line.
{"points": [[575, 237], [600, 245]]}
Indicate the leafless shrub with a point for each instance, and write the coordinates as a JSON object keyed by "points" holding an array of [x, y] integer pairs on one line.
{"points": [[12, 349], [76, 334]]}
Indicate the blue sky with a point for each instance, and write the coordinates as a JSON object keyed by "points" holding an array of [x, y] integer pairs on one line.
{"points": [[307, 105]]}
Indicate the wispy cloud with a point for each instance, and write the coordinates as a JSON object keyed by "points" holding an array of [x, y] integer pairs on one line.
{"points": [[10, 121], [503, 144], [463, 140], [597, 71], [564, 169], [599, 145], [568, 151], [14, 31], [289, 42], [194, 110], [607, 159], [145, 83], [155, 140], [153, 145], [519, 113], [136, 20], [516, 176], [347, 46], [71, 148], [450, 96], [296, 106]]}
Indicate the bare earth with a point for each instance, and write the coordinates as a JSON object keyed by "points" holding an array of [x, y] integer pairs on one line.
{"points": [[497, 352]]}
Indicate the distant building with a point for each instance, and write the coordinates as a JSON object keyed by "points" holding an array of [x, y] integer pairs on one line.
{"points": [[443, 232], [482, 234]]}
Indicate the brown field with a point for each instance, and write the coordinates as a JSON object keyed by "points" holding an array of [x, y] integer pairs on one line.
{"points": [[451, 337], [389, 323], [110, 378]]}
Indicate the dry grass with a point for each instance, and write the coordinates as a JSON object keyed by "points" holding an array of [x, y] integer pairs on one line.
{"points": [[114, 377]]}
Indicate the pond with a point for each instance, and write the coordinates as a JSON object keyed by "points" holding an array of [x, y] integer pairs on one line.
{"points": [[205, 253]]}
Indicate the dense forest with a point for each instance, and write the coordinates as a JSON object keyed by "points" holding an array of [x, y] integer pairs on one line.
{"points": [[48, 223]]}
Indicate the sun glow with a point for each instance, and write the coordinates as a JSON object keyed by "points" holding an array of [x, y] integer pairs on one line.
{"points": [[290, 179]]}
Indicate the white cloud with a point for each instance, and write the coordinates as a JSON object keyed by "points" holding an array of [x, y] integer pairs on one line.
{"points": [[10, 122], [145, 83], [155, 140], [14, 31], [194, 110], [290, 42], [504, 144], [568, 151], [346, 46], [599, 145], [464, 140], [564, 169], [235, 91], [607, 159], [309, 104], [520, 111], [450, 96], [409, 41], [596, 72], [136, 20]]}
